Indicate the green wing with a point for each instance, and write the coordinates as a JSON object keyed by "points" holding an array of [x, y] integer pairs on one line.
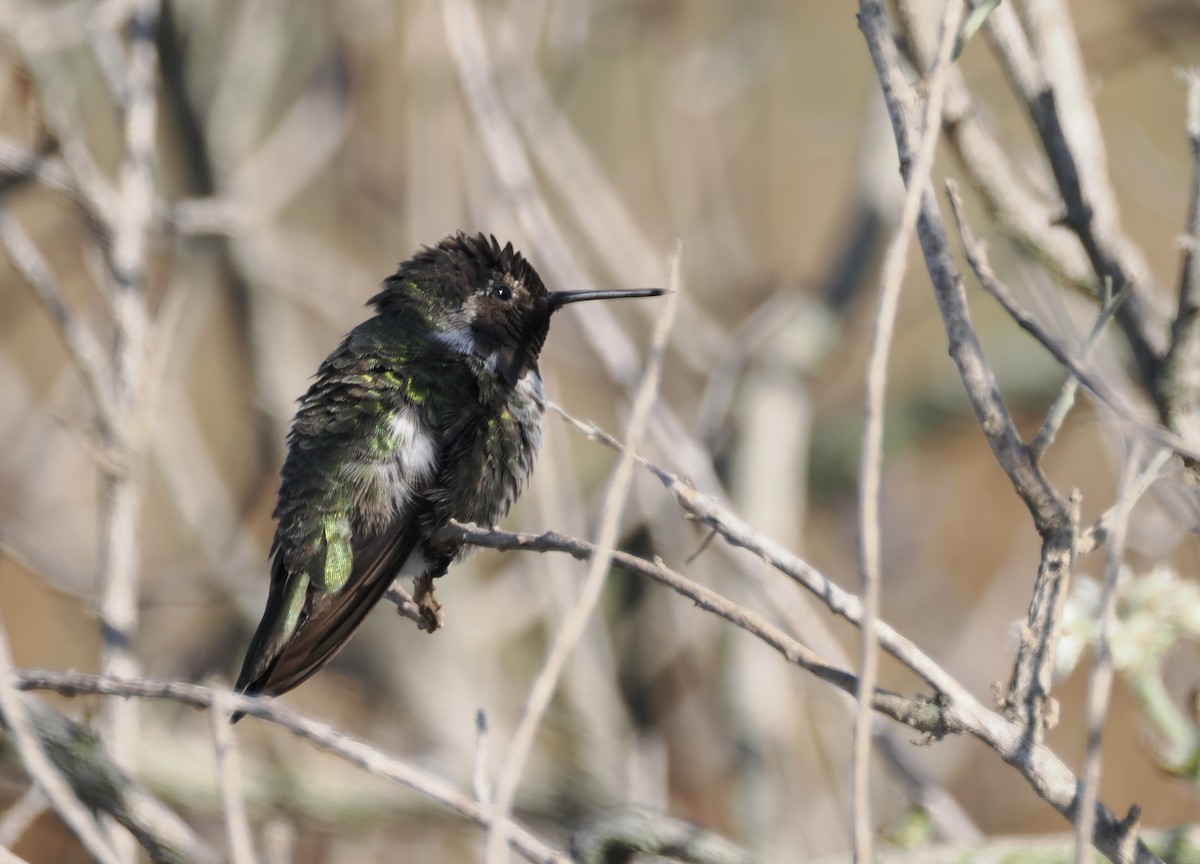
{"points": [[363, 456]]}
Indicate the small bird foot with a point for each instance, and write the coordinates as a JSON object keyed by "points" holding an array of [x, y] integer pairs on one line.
{"points": [[429, 608]]}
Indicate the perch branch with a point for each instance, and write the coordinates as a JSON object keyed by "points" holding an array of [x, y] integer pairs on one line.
{"points": [[955, 709], [924, 715]]}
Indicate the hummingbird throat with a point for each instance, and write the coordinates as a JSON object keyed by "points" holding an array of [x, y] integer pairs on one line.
{"points": [[507, 361]]}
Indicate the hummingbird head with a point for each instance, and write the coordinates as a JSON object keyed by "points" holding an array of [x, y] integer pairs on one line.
{"points": [[479, 298]]}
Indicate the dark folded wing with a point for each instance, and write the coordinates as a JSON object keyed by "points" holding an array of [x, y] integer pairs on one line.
{"points": [[328, 621]]}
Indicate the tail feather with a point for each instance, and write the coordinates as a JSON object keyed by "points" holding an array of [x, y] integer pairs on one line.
{"points": [[276, 662]]}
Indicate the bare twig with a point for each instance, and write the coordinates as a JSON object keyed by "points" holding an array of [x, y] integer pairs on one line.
{"points": [[21, 814], [1061, 407], [924, 715], [122, 490], [9, 857], [1031, 677], [233, 804], [405, 606], [1099, 687], [1049, 77], [510, 163], [1044, 502], [1181, 387], [20, 163], [82, 346], [1019, 210], [1032, 674], [1046, 773], [976, 252], [1100, 530], [322, 735], [506, 154], [44, 773], [546, 682], [1051, 514], [916, 176], [705, 510], [103, 787]]}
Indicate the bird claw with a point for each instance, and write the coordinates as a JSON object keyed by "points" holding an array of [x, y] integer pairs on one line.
{"points": [[429, 609]]}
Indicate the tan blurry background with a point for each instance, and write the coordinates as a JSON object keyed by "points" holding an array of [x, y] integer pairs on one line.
{"points": [[338, 136]]}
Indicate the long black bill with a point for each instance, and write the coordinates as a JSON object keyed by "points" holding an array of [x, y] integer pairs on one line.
{"points": [[562, 298]]}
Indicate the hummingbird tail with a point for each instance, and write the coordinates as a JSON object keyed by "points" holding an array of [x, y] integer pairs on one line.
{"points": [[303, 628]]}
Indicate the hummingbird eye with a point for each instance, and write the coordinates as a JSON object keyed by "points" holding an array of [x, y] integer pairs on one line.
{"points": [[500, 290]]}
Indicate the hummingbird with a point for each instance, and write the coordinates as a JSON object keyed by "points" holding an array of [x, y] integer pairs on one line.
{"points": [[430, 410]]}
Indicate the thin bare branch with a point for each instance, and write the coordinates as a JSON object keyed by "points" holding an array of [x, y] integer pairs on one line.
{"points": [[1097, 535], [1018, 209], [21, 814], [546, 682], [20, 163], [369, 758], [1056, 415], [233, 804], [82, 346], [122, 490], [1044, 503], [44, 773], [916, 177], [705, 510], [505, 151], [1181, 386], [1029, 691], [954, 710], [1063, 115], [399, 596], [924, 715], [1100, 681], [8, 857], [976, 252], [1052, 515]]}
